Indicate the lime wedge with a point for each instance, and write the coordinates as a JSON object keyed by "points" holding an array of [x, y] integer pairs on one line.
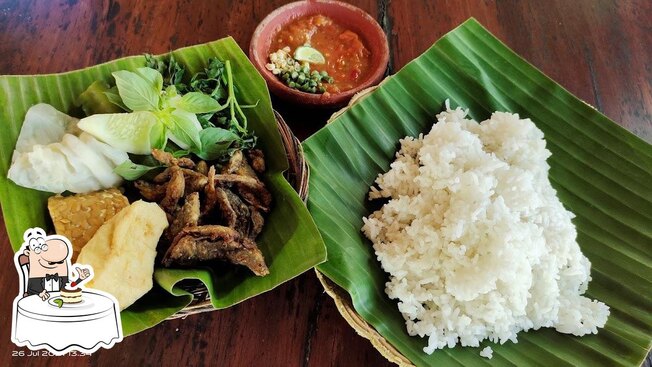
{"points": [[309, 54], [58, 302]]}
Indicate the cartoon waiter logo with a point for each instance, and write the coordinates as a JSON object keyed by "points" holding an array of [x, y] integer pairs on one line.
{"points": [[48, 263], [53, 310]]}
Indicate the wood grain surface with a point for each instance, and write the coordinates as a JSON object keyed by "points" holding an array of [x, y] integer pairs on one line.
{"points": [[600, 50]]}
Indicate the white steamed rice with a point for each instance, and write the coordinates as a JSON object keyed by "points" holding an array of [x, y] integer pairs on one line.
{"points": [[487, 352], [476, 243]]}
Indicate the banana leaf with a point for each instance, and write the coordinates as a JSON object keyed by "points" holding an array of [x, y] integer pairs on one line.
{"points": [[601, 172], [290, 241]]}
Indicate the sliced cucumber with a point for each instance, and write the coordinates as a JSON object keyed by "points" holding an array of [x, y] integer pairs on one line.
{"points": [[129, 132]]}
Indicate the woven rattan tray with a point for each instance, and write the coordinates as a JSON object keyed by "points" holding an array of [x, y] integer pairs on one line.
{"points": [[297, 175]]}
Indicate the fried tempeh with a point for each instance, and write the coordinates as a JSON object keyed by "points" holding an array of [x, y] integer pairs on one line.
{"points": [[78, 217]]}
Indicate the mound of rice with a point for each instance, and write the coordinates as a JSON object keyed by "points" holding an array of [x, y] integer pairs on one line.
{"points": [[476, 243]]}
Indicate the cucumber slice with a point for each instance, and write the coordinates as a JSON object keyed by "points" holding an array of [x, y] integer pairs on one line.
{"points": [[129, 132]]}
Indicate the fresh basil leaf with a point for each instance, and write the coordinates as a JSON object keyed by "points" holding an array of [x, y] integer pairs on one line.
{"points": [[205, 120], [197, 102], [131, 171], [183, 128], [136, 92], [113, 97], [153, 77], [145, 159], [152, 62], [215, 142], [171, 91], [94, 100], [176, 72], [158, 136], [180, 153]]}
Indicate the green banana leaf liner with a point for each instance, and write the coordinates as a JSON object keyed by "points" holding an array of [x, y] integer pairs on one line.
{"points": [[601, 172], [290, 240]]}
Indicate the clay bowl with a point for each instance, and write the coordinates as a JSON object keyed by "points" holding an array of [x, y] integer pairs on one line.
{"points": [[349, 16]]}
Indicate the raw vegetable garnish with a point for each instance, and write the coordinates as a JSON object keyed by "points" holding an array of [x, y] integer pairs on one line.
{"points": [[215, 81], [299, 75], [200, 116]]}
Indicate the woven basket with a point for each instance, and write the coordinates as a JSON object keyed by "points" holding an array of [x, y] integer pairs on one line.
{"points": [[341, 297], [297, 175]]}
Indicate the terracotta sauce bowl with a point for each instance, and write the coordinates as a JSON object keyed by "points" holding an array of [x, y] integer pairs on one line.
{"points": [[347, 15]]}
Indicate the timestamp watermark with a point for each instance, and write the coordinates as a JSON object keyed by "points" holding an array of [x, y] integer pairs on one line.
{"points": [[45, 353]]}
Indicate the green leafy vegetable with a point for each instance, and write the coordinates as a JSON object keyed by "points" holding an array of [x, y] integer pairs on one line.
{"points": [[212, 81], [175, 108], [180, 153], [136, 92], [153, 77], [215, 141], [95, 99], [132, 171], [172, 69], [197, 102], [114, 97], [158, 136], [215, 81], [184, 129]]}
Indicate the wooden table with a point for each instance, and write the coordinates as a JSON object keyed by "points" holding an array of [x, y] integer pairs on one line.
{"points": [[598, 49]]}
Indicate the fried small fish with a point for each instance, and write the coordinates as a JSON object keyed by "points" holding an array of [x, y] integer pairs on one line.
{"points": [[212, 216], [214, 242], [186, 216], [256, 160], [168, 159], [174, 190]]}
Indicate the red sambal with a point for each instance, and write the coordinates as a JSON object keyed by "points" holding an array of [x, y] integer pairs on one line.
{"points": [[347, 58]]}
